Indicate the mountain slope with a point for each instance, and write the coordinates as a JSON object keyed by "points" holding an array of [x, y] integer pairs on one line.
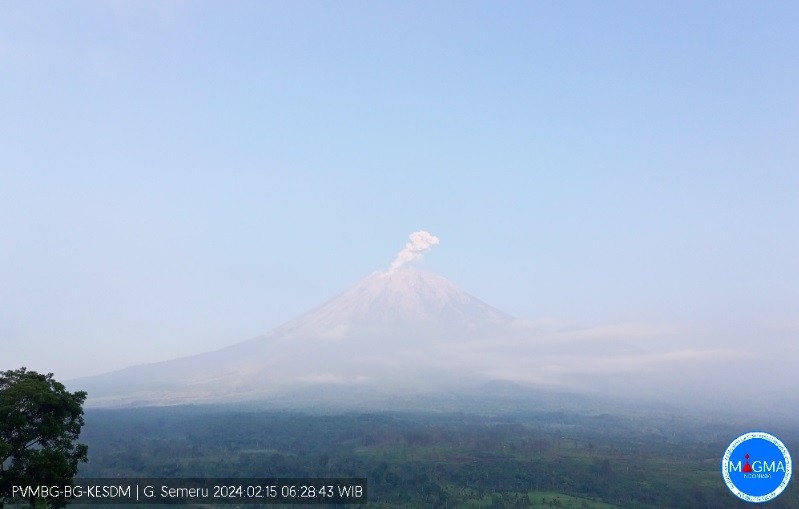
{"points": [[405, 298], [384, 333]]}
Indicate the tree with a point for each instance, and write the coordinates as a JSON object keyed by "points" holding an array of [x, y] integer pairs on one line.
{"points": [[40, 422]]}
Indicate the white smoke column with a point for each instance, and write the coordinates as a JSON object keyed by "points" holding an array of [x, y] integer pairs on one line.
{"points": [[419, 242]]}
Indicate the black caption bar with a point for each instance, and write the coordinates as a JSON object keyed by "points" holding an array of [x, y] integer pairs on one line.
{"points": [[204, 491]]}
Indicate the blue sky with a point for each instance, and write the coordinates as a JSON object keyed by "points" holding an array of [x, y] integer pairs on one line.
{"points": [[179, 176]]}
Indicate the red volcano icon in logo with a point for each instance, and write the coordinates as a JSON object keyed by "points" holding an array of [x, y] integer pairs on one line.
{"points": [[747, 467]]}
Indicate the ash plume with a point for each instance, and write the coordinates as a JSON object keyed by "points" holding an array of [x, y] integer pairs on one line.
{"points": [[419, 242]]}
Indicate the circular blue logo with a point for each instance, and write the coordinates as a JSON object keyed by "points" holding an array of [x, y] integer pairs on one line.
{"points": [[756, 467]]}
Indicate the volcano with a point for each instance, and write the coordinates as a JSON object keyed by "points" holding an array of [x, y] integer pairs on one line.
{"points": [[388, 332]]}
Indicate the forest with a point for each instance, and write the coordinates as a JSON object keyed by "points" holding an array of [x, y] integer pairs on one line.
{"points": [[511, 459]]}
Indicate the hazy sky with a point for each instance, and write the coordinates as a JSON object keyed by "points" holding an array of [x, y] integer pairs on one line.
{"points": [[179, 176]]}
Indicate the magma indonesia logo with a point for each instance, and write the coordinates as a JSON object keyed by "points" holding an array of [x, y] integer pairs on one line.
{"points": [[756, 467]]}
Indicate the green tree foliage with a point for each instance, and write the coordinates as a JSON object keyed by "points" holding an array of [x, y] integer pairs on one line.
{"points": [[40, 422]]}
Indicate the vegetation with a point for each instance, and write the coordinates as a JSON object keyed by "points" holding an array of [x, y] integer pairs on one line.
{"points": [[39, 423], [450, 460]]}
